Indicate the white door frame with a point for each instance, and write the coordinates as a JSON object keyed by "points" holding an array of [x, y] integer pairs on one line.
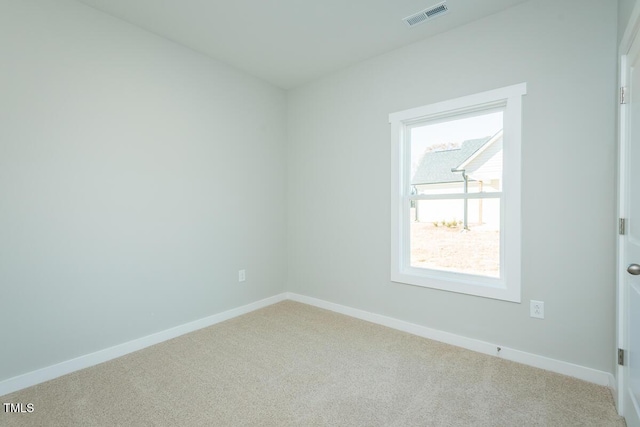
{"points": [[632, 30]]}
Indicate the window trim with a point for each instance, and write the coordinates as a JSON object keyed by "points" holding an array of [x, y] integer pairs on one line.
{"points": [[508, 286]]}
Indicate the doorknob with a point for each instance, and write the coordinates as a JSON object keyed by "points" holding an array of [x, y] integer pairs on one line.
{"points": [[634, 269]]}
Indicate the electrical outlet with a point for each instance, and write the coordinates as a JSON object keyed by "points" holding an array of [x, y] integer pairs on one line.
{"points": [[537, 309], [242, 276]]}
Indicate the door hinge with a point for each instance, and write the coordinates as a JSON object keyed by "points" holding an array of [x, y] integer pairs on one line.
{"points": [[622, 226], [620, 356], [623, 99]]}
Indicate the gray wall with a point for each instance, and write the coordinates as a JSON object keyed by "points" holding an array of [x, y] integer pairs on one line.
{"points": [[136, 178], [625, 7], [339, 173]]}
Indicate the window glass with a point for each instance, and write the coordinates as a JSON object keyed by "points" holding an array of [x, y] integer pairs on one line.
{"points": [[444, 153]]}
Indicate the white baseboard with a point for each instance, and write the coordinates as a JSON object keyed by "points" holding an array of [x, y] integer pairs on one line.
{"points": [[50, 372], [613, 386], [558, 366]]}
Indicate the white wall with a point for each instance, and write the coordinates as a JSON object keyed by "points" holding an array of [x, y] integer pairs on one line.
{"points": [[130, 168], [339, 174]]}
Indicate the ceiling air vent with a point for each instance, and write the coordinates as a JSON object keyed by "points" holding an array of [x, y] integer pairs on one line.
{"points": [[427, 14]]}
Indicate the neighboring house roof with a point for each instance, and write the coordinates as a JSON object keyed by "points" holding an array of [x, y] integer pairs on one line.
{"points": [[435, 166]]}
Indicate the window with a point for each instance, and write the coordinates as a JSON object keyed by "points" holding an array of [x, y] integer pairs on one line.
{"points": [[456, 194]]}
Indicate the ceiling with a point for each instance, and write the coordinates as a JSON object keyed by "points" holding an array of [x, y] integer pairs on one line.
{"points": [[291, 42]]}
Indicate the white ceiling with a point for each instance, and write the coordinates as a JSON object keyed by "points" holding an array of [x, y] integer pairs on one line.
{"points": [[291, 42]]}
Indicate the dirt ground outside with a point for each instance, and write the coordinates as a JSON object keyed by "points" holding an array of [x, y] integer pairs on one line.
{"points": [[476, 251]]}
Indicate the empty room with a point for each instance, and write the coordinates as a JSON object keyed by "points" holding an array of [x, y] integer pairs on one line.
{"points": [[338, 213]]}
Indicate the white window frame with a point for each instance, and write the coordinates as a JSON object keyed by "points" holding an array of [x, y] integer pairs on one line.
{"points": [[507, 286]]}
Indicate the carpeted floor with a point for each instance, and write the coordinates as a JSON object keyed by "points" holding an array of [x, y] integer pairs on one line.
{"points": [[295, 365]]}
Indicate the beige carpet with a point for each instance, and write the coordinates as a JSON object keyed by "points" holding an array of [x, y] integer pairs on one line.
{"points": [[295, 365]]}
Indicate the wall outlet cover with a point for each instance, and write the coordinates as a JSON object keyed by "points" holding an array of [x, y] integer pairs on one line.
{"points": [[536, 309]]}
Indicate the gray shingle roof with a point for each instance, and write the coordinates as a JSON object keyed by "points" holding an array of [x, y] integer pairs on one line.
{"points": [[435, 166]]}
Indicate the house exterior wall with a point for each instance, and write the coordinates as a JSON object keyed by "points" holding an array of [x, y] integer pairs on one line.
{"points": [[487, 165], [483, 213]]}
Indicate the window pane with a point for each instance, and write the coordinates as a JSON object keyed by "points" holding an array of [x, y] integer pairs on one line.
{"points": [[447, 155], [440, 241]]}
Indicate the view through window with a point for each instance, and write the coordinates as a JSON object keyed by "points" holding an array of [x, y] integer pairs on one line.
{"points": [[456, 194], [456, 184]]}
